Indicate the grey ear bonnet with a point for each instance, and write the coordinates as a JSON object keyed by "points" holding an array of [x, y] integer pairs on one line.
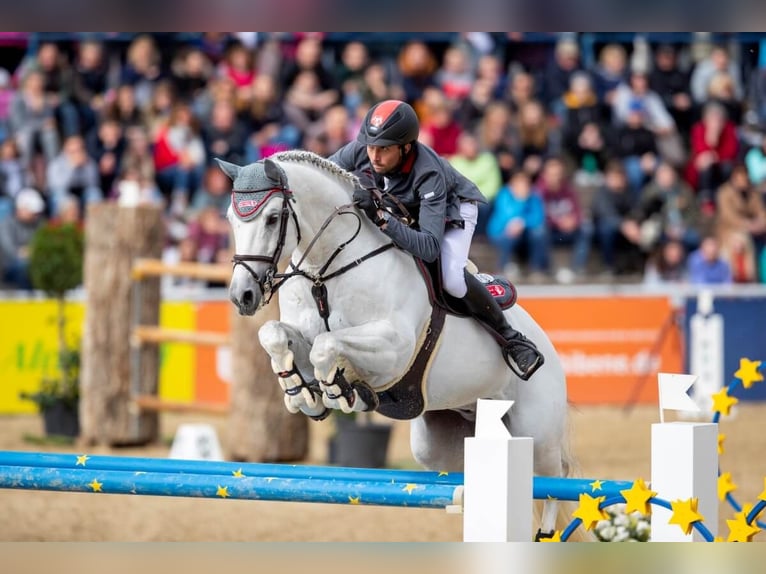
{"points": [[254, 184]]}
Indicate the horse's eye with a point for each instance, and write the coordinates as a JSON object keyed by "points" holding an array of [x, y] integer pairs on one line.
{"points": [[272, 219]]}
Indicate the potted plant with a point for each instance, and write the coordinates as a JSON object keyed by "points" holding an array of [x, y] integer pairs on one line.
{"points": [[358, 441], [55, 267]]}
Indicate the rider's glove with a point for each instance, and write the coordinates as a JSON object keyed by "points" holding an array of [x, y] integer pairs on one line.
{"points": [[365, 201]]}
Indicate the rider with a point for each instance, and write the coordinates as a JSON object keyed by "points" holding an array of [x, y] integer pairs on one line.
{"points": [[387, 156]]}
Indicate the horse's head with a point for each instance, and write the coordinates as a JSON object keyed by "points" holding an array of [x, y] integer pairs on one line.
{"points": [[264, 225]]}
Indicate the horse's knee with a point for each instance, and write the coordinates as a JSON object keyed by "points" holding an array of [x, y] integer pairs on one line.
{"points": [[273, 337], [324, 351]]}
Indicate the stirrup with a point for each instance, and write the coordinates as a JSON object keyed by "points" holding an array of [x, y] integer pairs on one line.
{"points": [[514, 367]]}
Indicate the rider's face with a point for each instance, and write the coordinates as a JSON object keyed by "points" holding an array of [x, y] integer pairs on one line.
{"points": [[384, 159]]}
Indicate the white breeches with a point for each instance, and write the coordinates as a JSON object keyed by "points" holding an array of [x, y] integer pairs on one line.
{"points": [[455, 247]]}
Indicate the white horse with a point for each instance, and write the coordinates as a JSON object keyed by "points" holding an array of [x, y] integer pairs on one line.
{"points": [[354, 310]]}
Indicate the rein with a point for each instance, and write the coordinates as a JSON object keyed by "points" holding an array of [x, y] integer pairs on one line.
{"points": [[272, 280]]}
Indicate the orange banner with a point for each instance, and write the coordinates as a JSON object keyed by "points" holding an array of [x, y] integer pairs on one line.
{"points": [[612, 349]]}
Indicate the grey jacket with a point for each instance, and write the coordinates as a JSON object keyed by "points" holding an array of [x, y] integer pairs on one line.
{"points": [[427, 185]]}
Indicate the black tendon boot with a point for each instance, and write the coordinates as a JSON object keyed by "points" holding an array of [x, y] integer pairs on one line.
{"points": [[520, 353]]}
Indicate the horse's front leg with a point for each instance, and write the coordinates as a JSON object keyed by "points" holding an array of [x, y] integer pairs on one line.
{"points": [[349, 363], [289, 352]]}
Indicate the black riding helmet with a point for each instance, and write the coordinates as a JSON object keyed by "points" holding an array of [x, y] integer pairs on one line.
{"points": [[391, 122]]}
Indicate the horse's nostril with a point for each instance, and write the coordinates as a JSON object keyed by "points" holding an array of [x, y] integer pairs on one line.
{"points": [[248, 297]]}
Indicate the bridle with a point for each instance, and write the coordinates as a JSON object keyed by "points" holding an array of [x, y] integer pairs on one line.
{"points": [[272, 280]]}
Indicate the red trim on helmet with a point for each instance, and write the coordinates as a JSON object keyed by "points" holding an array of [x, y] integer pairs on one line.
{"points": [[382, 112], [250, 203]]}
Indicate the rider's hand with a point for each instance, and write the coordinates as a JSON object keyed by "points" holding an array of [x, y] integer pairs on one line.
{"points": [[366, 202]]}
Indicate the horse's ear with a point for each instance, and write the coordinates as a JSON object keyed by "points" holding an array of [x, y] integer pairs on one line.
{"points": [[229, 168], [274, 172]]}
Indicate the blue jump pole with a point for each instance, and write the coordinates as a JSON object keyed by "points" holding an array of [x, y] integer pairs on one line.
{"points": [[142, 483], [543, 487]]}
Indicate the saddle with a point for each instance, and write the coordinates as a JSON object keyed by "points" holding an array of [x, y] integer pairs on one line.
{"points": [[405, 399]]}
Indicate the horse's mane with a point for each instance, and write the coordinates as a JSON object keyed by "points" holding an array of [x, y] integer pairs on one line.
{"points": [[304, 156]]}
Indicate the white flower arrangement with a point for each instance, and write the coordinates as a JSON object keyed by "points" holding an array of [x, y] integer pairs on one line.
{"points": [[622, 527]]}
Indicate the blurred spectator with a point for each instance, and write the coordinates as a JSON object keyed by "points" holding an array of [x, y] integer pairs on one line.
{"points": [[70, 212], [522, 89], [714, 148], [417, 66], [610, 71], [668, 210], [756, 89], [350, 73], [496, 134], [471, 110], [13, 176], [106, 145], [565, 220], [482, 169], [635, 145], [73, 172], [438, 126], [179, 157], [191, 70], [91, 82], [224, 136], [137, 156], [124, 108], [238, 66], [456, 75], [378, 86], [705, 265], [58, 84], [7, 93], [740, 223], [33, 124], [269, 127], [612, 207], [489, 69], [558, 74], [162, 101], [636, 94], [15, 236], [133, 188], [721, 90], [142, 68], [718, 61], [755, 160], [517, 222], [334, 129], [667, 264], [207, 239], [215, 191], [671, 84], [537, 138]]}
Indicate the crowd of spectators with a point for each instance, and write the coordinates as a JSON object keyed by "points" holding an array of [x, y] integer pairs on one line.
{"points": [[649, 161]]}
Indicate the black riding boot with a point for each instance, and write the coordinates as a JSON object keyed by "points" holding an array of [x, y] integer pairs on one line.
{"points": [[520, 353]]}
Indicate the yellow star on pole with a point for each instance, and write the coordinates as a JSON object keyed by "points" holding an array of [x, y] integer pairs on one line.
{"points": [[722, 402], [555, 538], [637, 497], [354, 499], [95, 485], [238, 473], [409, 487], [223, 491], [721, 438], [748, 372], [740, 530], [725, 485], [762, 496], [595, 485], [82, 459], [685, 514], [588, 511]]}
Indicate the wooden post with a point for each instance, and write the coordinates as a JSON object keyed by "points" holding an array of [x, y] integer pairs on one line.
{"points": [[115, 236], [260, 428]]}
